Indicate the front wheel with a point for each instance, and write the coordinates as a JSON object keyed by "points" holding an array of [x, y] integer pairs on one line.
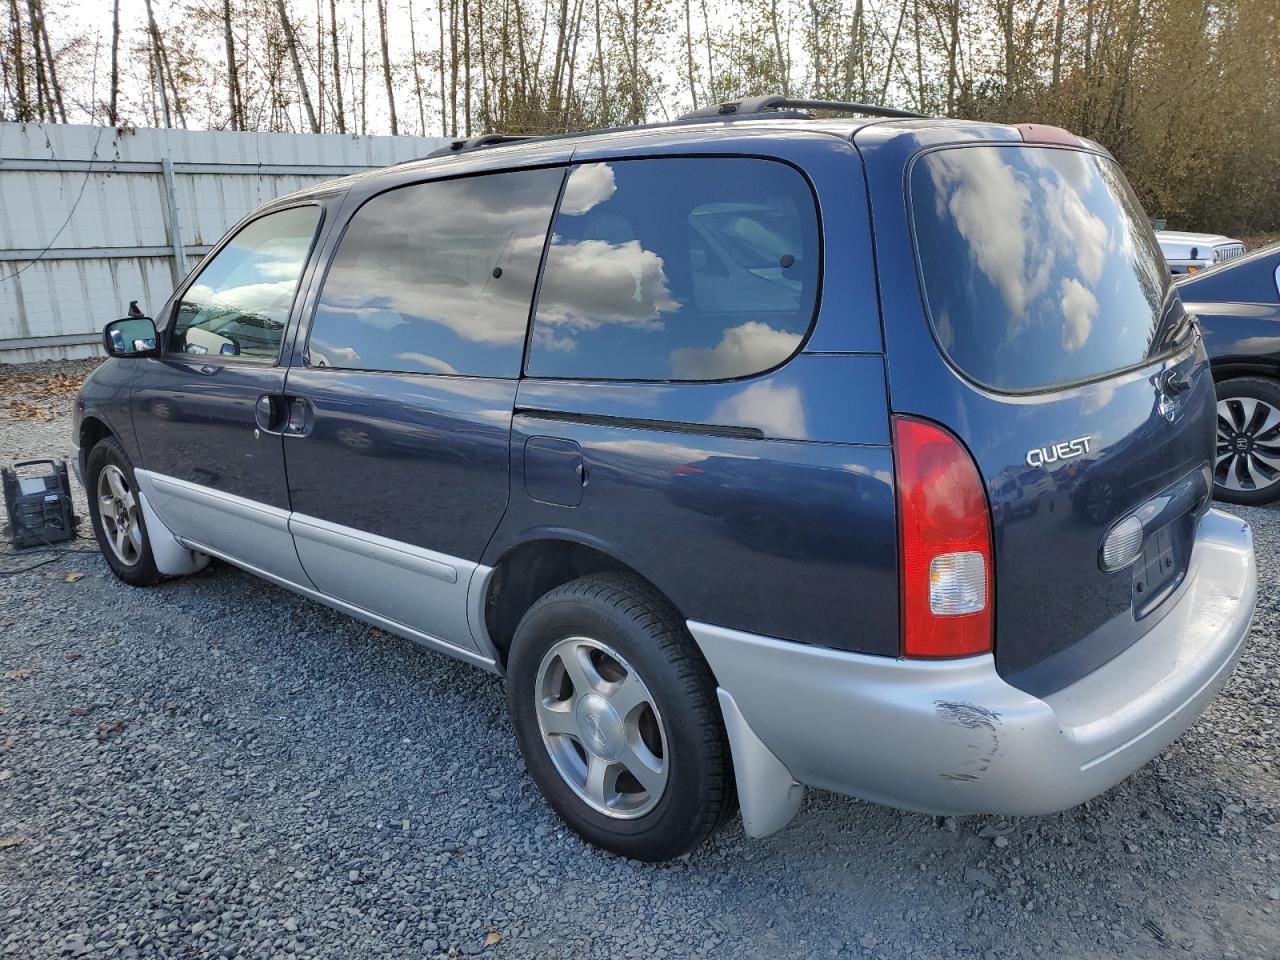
{"points": [[116, 511], [616, 715], [1246, 467]]}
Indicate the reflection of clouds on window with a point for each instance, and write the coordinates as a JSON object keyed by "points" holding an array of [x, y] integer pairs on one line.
{"points": [[267, 299], [589, 185], [1071, 219], [747, 348], [437, 277], [989, 207], [425, 362], [777, 410], [686, 268], [1039, 266], [1079, 307], [240, 300], [592, 283]]}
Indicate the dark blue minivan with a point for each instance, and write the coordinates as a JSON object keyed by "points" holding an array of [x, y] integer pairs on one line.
{"points": [[867, 452]]}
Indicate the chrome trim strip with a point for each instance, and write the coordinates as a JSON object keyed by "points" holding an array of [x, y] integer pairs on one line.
{"points": [[391, 626], [374, 547]]}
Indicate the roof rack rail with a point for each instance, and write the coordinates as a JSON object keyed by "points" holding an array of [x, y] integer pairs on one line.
{"points": [[487, 140], [750, 105]]}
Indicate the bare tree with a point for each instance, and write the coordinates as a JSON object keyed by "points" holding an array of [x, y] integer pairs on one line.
{"points": [[291, 41], [113, 110], [386, 64], [337, 71], [234, 99]]}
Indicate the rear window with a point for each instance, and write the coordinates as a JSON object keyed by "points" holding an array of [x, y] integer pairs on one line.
{"points": [[1040, 268]]}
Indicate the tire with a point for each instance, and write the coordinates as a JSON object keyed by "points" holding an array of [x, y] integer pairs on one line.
{"points": [[627, 632], [1246, 463], [133, 564]]}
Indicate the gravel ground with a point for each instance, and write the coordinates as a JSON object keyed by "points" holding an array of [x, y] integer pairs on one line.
{"points": [[218, 768]]}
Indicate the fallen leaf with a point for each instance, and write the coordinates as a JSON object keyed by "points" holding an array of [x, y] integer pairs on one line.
{"points": [[73, 577], [107, 729], [493, 937], [18, 674], [8, 842], [72, 657]]}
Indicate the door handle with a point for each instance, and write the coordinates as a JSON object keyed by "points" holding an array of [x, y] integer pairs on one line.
{"points": [[300, 418], [268, 413]]}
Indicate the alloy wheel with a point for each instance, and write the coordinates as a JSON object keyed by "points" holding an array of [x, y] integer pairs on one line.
{"points": [[601, 727], [118, 510]]}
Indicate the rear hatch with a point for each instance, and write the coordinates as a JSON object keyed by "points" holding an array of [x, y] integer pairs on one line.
{"points": [[1078, 384]]}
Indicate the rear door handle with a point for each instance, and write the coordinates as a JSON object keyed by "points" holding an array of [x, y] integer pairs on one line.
{"points": [[301, 417]]}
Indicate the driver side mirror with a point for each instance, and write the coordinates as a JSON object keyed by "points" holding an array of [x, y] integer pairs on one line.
{"points": [[131, 337]]}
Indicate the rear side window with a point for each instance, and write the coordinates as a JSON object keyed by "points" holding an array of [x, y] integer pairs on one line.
{"points": [[677, 269], [1040, 268], [437, 277]]}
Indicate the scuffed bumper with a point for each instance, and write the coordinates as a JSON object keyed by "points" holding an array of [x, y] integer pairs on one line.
{"points": [[952, 737]]}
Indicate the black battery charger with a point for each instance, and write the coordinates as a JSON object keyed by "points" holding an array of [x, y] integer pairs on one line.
{"points": [[38, 504]]}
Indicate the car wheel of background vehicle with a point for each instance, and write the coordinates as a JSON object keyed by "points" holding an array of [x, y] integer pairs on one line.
{"points": [[1246, 467], [616, 714], [116, 513]]}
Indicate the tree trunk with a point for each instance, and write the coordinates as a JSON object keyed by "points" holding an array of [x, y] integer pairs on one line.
{"points": [[55, 90], [417, 72], [1057, 42], [688, 52], [364, 73], [113, 114], [386, 67], [444, 112], [22, 108], [853, 58], [337, 71], [291, 42], [42, 86], [233, 81], [153, 35], [784, 70], [604, 83]]}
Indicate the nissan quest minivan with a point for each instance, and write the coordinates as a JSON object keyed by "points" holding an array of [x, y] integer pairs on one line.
{"points": [[757, 450]]}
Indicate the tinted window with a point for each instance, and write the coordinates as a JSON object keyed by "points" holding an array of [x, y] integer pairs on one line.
{"points": [[437, 277], [1039, 266], [239, 303], [697, 269]]}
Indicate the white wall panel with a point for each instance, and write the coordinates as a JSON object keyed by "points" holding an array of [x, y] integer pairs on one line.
{"points": [[96, 199]]}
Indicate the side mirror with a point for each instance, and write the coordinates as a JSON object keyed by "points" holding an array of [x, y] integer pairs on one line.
{"points": [[131, 337]]}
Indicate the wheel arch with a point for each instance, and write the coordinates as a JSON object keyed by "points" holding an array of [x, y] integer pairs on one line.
{"points": [[1250, 367], [93, 430], [536, 565]]}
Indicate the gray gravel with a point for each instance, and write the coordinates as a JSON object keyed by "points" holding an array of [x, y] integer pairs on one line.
{"points": [[218, 768]]}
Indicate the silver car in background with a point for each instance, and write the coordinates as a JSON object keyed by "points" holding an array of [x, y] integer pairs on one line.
{"points": [[1193, 252]]}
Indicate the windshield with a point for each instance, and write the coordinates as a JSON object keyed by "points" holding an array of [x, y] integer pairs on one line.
{"points": [[1040, 268]]}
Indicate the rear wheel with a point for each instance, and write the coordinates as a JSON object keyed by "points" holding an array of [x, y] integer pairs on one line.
{"points": [[1246, 466], [616, 715]]}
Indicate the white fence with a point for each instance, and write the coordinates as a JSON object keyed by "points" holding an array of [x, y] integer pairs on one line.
{"points": [[92, 217]]}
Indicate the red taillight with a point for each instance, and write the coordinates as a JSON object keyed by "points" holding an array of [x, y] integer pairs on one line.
{"points": [[944, 544]]}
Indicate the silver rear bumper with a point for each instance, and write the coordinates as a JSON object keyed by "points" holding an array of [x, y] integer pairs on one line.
{"points": [[952, 737]]}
